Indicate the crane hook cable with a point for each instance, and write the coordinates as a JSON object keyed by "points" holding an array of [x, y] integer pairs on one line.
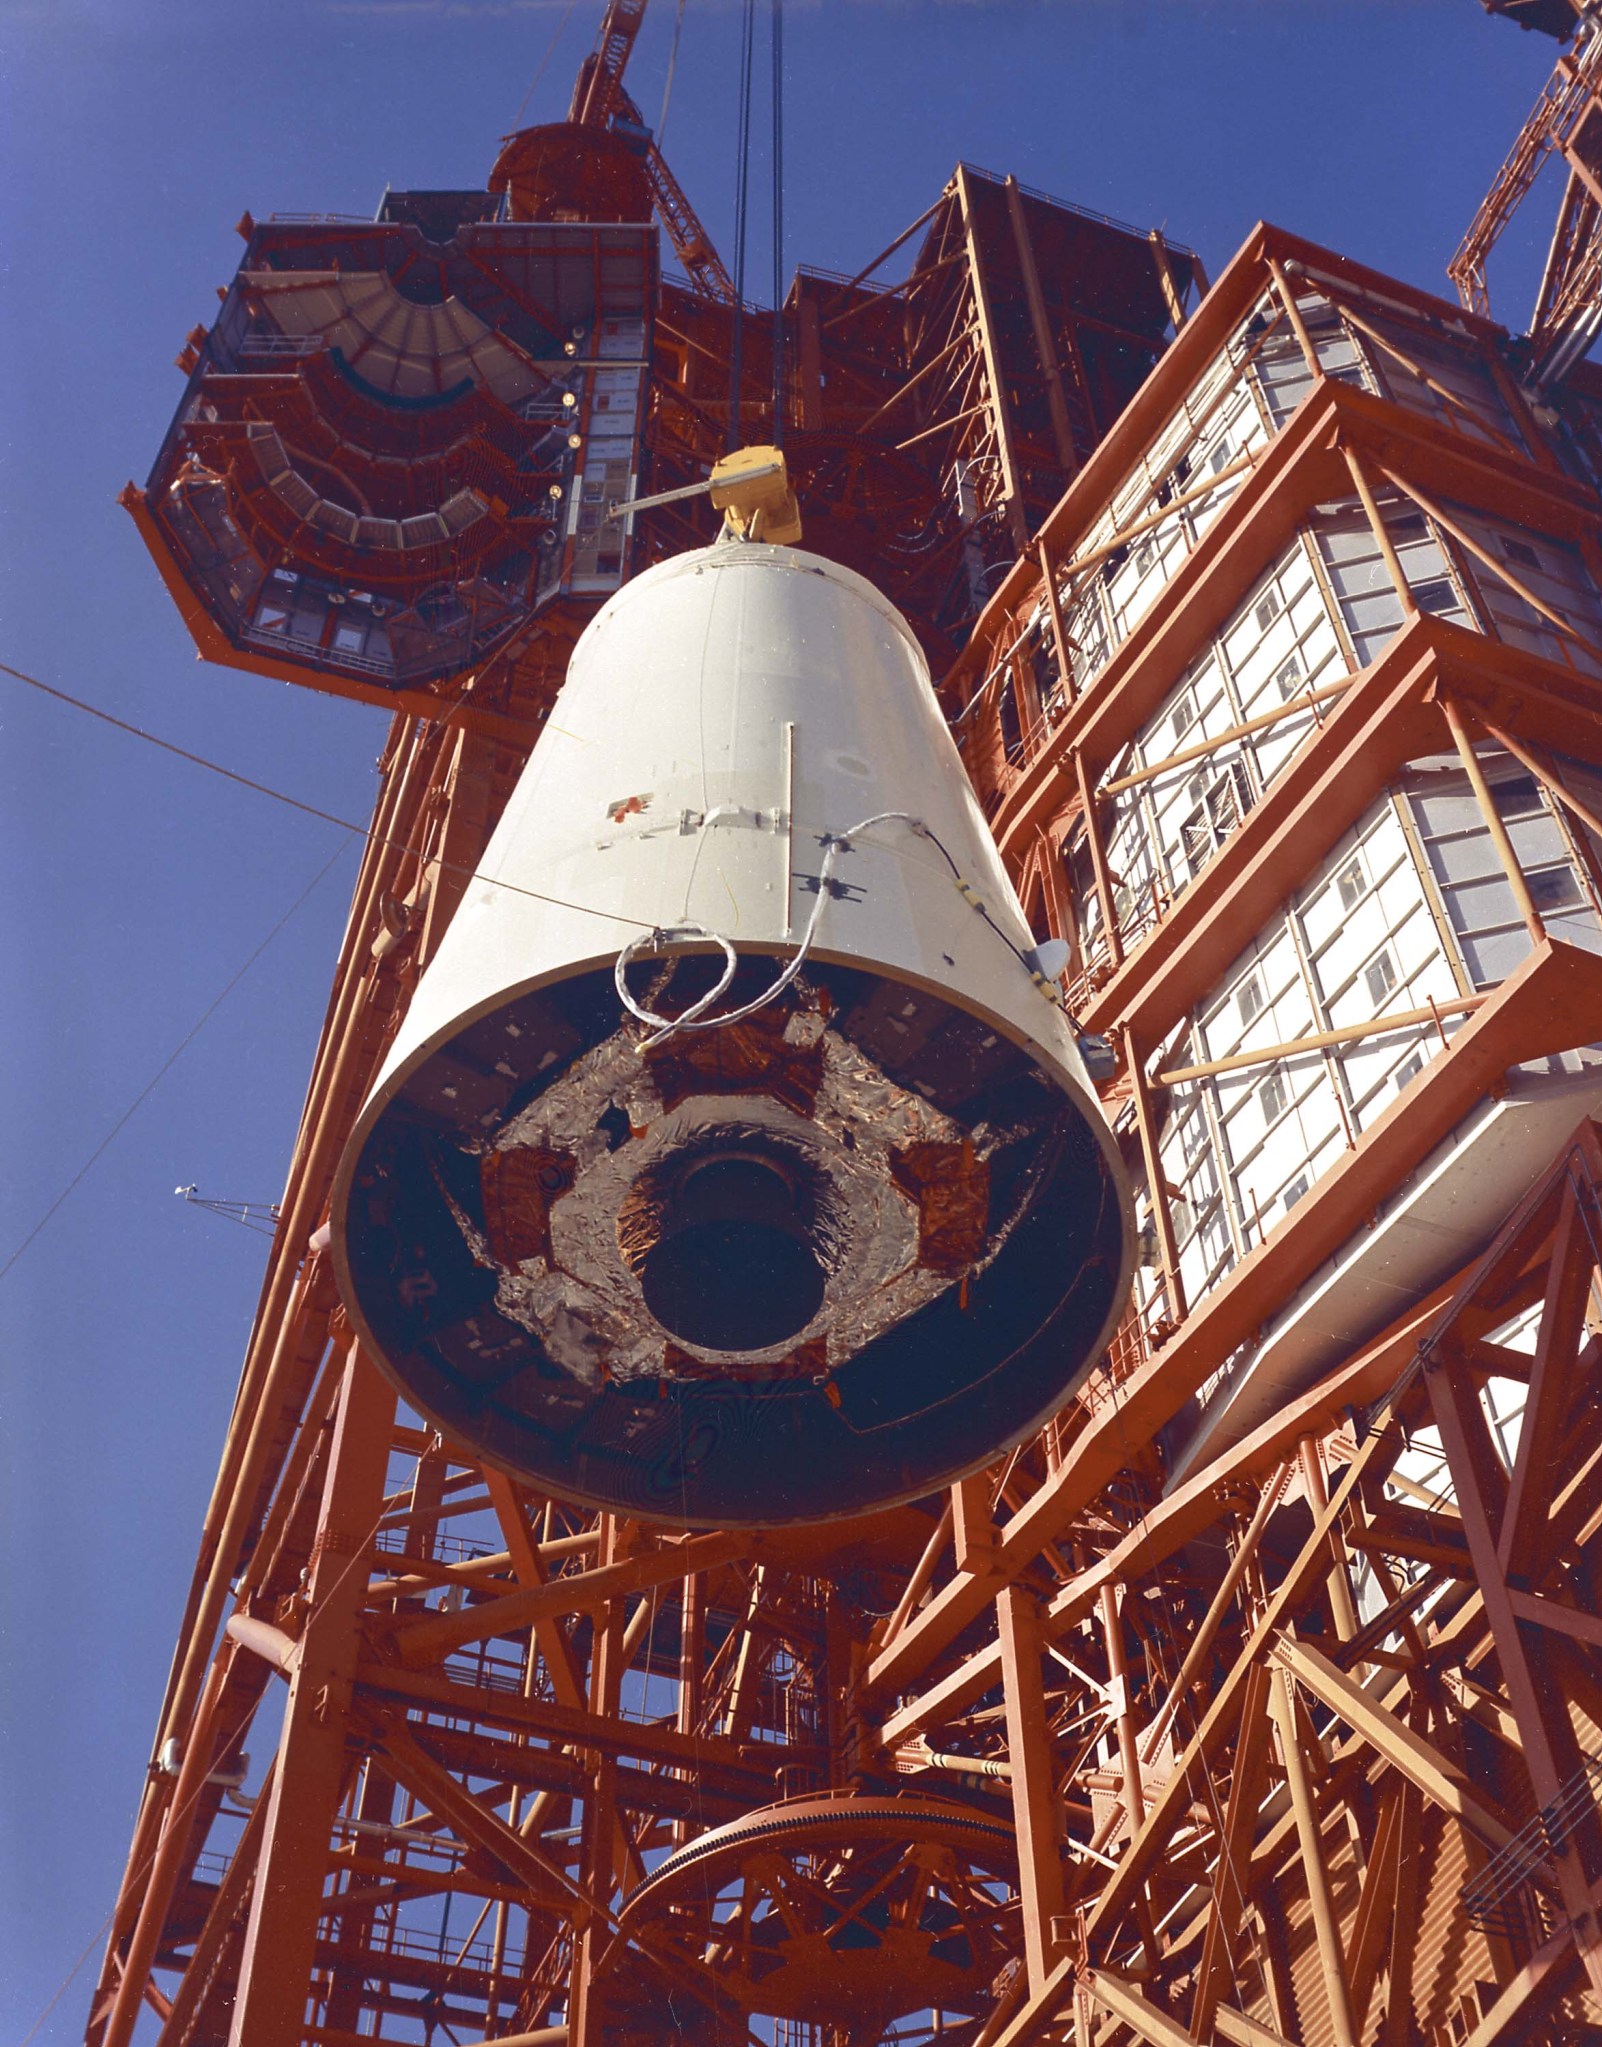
{"points": [[742, 183], [777, 38], [544, 63], [673, 65]]}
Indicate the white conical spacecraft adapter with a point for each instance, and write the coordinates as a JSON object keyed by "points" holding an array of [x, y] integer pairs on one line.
{"points": [[827, 1215]]}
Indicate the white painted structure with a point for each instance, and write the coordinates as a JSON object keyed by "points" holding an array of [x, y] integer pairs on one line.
{"points": [[723, 715], [884, 1249]]}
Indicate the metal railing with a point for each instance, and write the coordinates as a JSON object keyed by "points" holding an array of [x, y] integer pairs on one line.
{"points": [[443, 1548], [294, 648], [279, 345], [443, 1949], [1082, 212], [1132, 1346], [475, 1666]]}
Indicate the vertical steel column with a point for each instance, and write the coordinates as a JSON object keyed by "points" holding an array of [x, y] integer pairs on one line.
{"points": [[205, 1959], [1059, 632], [1037, 1815], [167, 1861], [1156, 1184], [293, 1282], [287, 1901], [1112, 1630], [1553, 1376], [1523, 900], [1011, 499], [1098, 859], [1326, 1923], [692, 1655], [1381, 532], [1221, 1943], [1340, 1590], [597, 1842], [1293, 313]]}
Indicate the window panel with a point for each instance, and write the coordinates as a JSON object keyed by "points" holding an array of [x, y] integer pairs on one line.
{"points": [[1550, 570], [1282, 631], [1359, 942], [1282, 372], [1478, 896], [1351, 883], [1380, 975], [1481, 412]]}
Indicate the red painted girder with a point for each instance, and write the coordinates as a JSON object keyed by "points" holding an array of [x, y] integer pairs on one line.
{"points": [[1192, 1508], [422, 1640], [1550, 1004], [509, 1758], [741, 1767], [1383, 721], [600, 80]]}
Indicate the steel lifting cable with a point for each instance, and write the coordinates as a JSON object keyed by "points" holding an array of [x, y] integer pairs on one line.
{"points": [[673, 62], [834, 844], [742, 182], [172, 1059], [778, 221], [200, 760], [550, 52]]}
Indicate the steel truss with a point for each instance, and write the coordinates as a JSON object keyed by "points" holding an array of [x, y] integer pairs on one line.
{"points": [[1565, 123], [1376, 1828], [1313, 1816], [1301, 1746], [931, 422]]}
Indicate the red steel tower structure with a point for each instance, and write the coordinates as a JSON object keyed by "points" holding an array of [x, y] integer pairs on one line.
{"points": [[1257, 1698]]}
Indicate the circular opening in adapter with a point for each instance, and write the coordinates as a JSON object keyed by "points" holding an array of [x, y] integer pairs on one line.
{"points": [[734, 1268]]}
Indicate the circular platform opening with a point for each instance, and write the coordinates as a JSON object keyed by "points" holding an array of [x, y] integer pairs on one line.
{"points": [[734, 1268], [739, 1367]]}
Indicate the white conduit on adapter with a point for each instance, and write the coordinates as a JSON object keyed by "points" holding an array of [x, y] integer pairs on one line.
{"points": [[695, 1018]]}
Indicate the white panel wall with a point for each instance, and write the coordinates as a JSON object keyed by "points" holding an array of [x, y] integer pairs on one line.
{"points": [[1246, 395], [1413, 906], [1280, 644], [1410, 908]]}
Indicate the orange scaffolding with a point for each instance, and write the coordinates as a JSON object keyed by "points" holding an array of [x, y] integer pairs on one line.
{"points": [[1257, 1698]]}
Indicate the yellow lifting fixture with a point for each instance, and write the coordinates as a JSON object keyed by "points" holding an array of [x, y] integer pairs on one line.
{"points": [[751, 488]]}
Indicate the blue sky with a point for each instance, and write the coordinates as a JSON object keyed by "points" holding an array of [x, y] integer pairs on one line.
{"points": [[133, 887]]}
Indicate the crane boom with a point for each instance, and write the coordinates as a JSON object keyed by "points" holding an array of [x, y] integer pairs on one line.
{"points": [[598, 89], [691, 242], [599, 98]]}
